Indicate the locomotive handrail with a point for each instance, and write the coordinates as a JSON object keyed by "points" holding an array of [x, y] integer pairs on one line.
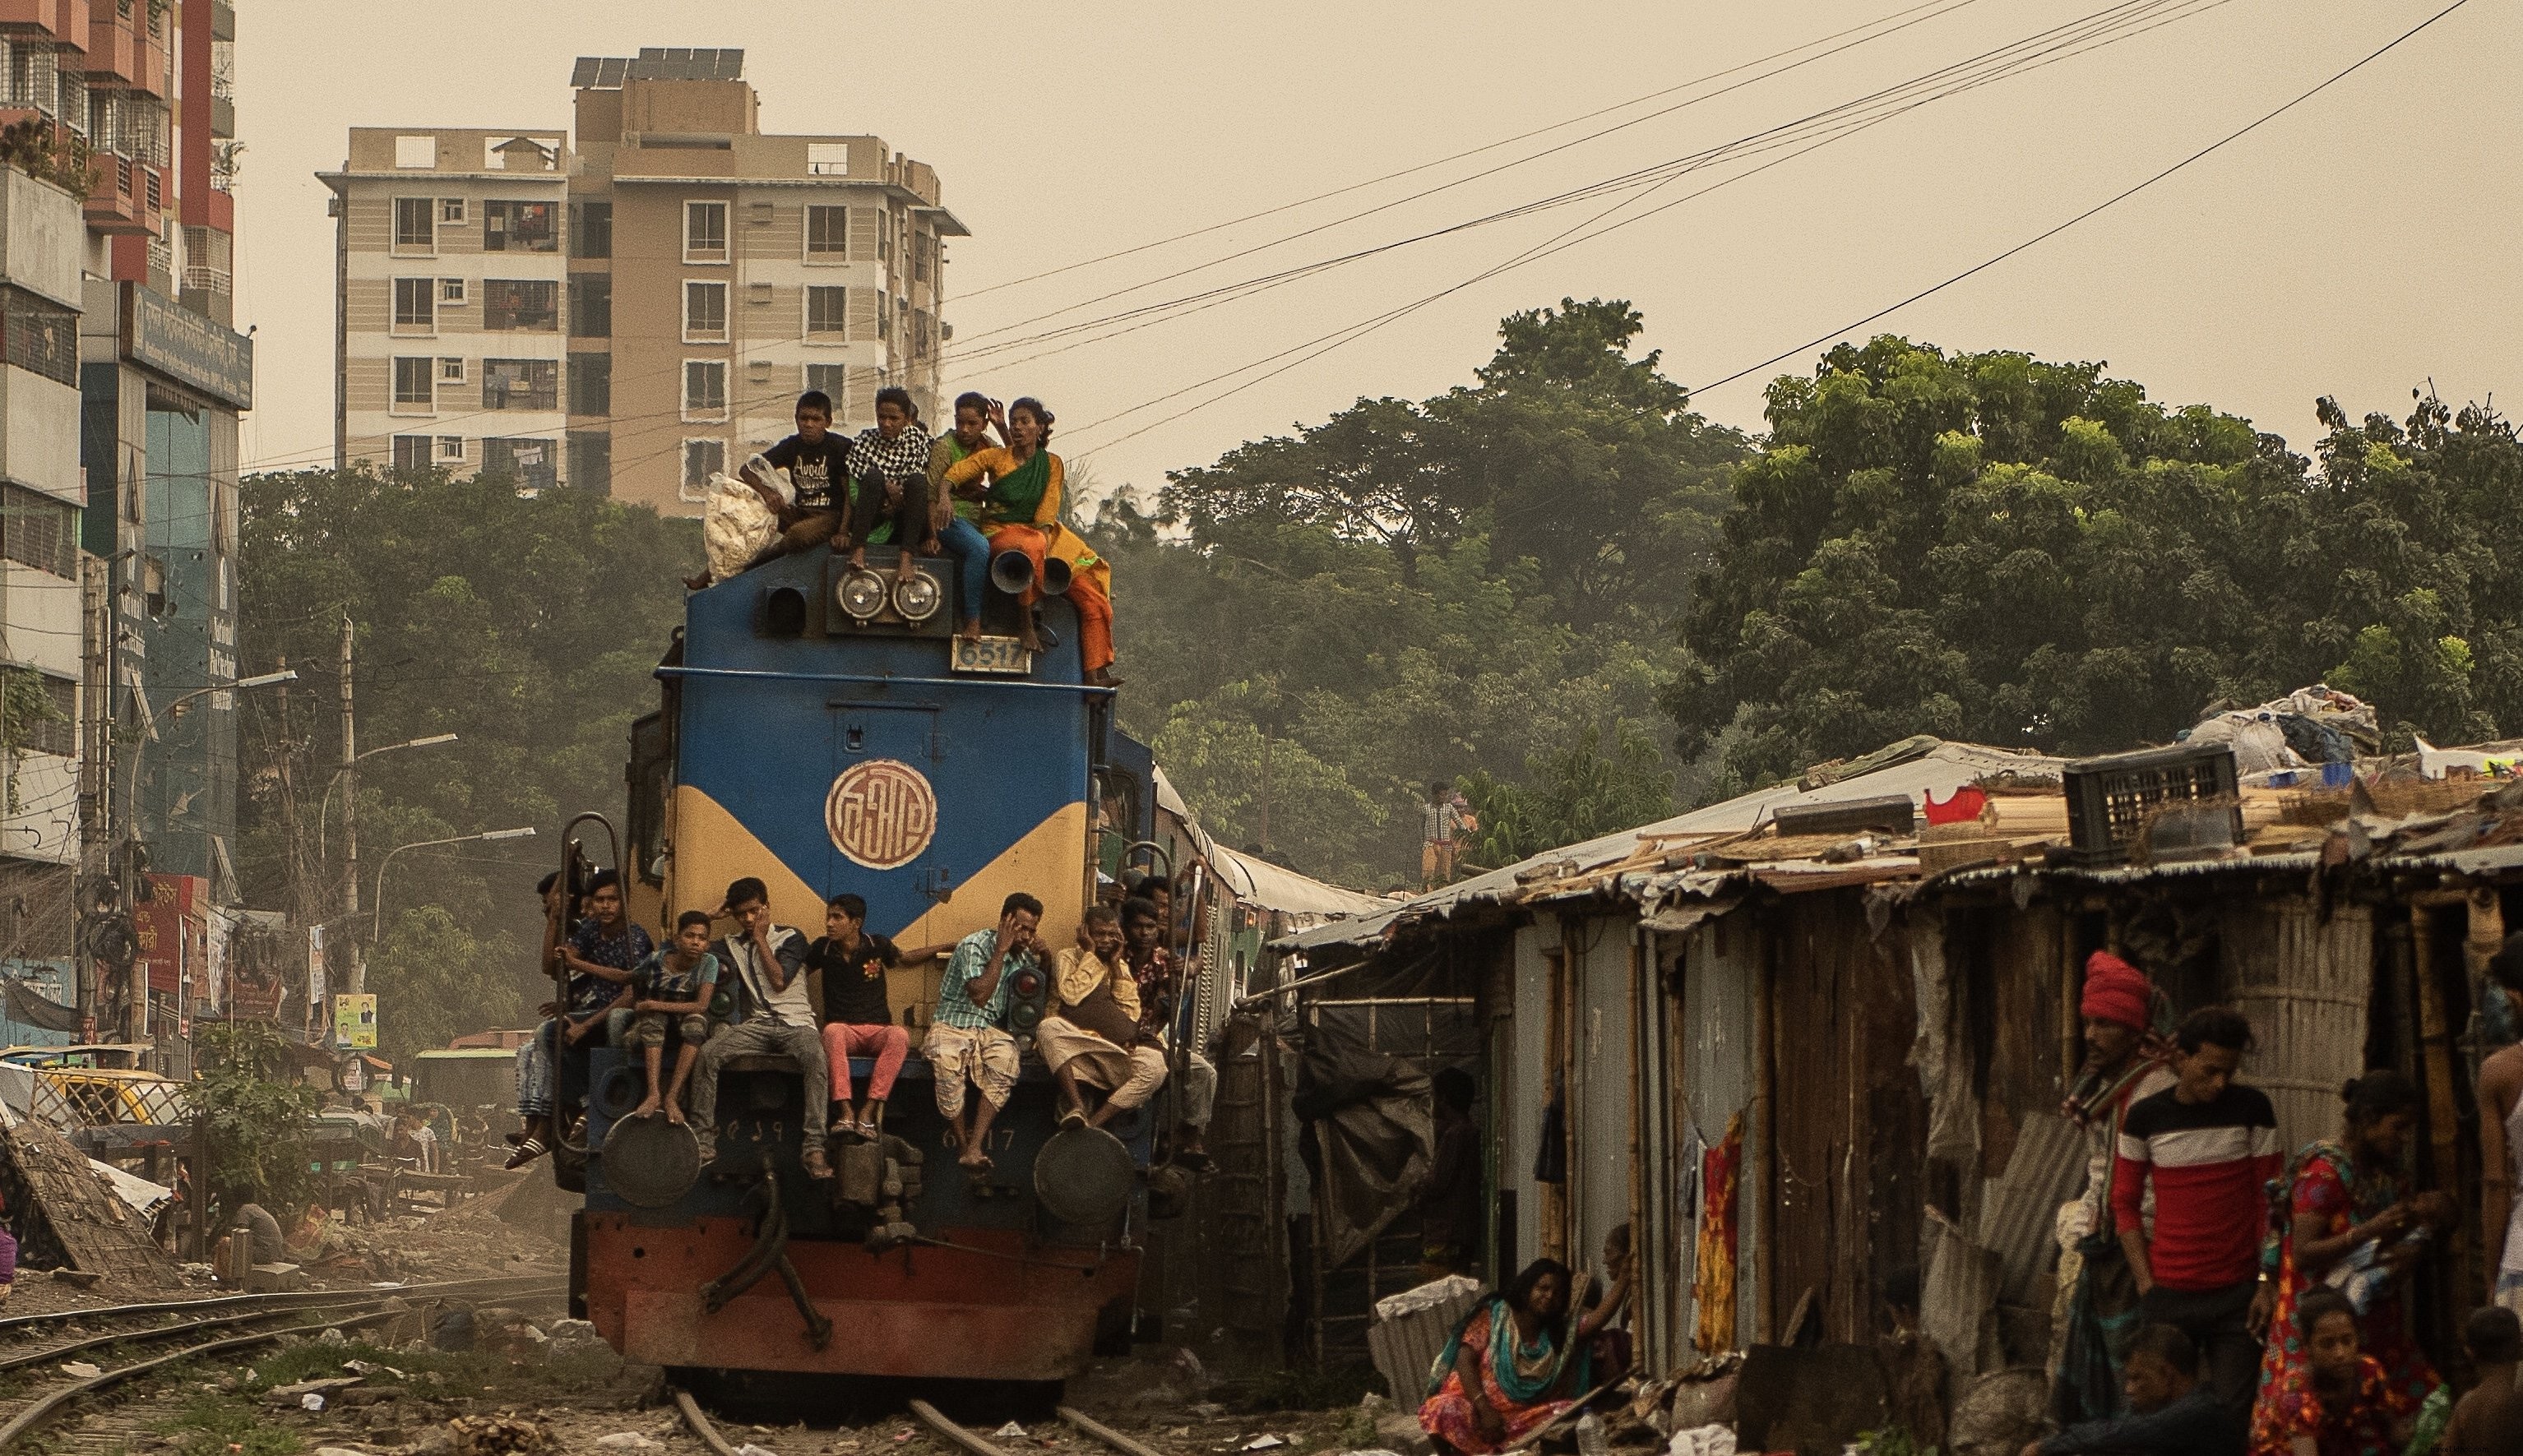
{"points": [[881, 680]]}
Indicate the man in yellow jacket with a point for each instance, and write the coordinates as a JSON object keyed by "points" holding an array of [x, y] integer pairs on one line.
{"points": [[1092, 1038]]}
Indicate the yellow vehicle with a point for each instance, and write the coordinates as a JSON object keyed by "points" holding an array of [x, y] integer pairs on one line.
{"points": [[69, 1093]]}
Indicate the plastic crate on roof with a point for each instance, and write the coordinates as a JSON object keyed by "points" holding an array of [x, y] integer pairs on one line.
{"points": [[2109, 799]]}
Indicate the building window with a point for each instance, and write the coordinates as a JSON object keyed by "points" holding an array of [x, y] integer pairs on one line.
{"points": [[451, 371], [37, 530], [590, 305], [702, 458], [521, 384], [451, 449], [760, 215], [532, 463], [834, 380], [450, 209], [705, 232], [522, 304], [416, 152], [923, 248], [827, 234], [591, 384], [705, 312], [415, 389], [704, 388], [39, 335], [828, 314], [828, 159], [591, 461], [416, 225], [410, 453], [451, 291], [591, 229], [415, 305], [518, 227]]}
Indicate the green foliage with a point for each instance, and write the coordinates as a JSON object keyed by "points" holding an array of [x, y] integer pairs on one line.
{"points": [[212, 1424], [1988, 546], [1891, 1440], [23, 704], [528, 626], [1570, 795], [255, 1121], [61, 158], [1475, 583]]}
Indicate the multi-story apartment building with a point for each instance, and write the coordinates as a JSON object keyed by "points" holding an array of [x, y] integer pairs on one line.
{"points": [[122, 388], [662, 295]]}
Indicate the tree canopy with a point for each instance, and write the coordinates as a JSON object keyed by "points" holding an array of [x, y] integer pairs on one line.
{"points": [[525, 624], [1994, 547]]}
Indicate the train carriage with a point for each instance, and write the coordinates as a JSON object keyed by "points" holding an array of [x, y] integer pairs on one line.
{"points": [[826, 731]]}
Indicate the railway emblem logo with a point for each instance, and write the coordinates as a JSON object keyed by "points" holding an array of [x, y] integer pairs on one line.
{"points": [[881, 814]]}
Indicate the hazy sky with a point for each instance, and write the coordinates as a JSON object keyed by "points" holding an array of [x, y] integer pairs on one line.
{"points": [[2357, 246]]}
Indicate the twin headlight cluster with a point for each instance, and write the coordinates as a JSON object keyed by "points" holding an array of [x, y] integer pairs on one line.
{"points": [[864, 594]]}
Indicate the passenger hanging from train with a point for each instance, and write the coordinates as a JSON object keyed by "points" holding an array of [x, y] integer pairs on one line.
{"points": [[858, 1019], [672, 991], [1095, 1037], [1158, 975], [953, 520], [888, 486], [773, 1015], [602, 954], [1019, 511], [968, 1040], [817, 461]]}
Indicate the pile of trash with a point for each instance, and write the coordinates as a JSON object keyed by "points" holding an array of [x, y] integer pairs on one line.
{"points": [[2307, 728]]}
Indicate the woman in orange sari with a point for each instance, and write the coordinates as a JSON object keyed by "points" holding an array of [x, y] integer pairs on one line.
{"points": [[1020, 512]]}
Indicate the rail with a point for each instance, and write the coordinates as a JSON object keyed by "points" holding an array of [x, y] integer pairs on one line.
{"points": [[937, 1421]]}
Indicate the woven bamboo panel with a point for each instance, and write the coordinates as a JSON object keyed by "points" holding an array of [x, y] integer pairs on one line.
{"points": [[2304, 983]]}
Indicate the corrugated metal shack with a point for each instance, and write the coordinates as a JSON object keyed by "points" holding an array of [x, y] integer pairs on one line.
{"points": [[1886, 1019]]}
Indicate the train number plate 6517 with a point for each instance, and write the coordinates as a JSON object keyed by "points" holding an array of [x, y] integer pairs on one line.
{"points": [[1005, 656]]}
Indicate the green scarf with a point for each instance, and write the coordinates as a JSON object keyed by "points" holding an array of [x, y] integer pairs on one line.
{"points": [[1014, 496], [1513, 1382]]}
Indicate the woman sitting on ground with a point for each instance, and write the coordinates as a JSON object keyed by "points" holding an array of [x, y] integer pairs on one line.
{"points": [[2348, 1204], [1514, 1366], [1020, 512], [2337, 1400]]}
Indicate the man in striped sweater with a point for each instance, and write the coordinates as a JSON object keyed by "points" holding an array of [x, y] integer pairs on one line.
{"points": [[2208, 1147]]}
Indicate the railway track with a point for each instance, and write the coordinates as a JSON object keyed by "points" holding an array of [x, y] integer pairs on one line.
{"points": [[50, 1400], [935, 1420]]}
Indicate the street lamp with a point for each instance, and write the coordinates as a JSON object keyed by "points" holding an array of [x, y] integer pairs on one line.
{"points": [[377, 916], [325, 809], [131, 803]]}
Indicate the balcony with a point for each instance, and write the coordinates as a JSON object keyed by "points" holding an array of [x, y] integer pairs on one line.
{"points": [[61, 21], [222, 117], [113, 50], [223, 20], [124, 196]]}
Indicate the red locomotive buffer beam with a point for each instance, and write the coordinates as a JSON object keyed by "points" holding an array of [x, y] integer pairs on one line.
{"points": [[1003, 1308]]}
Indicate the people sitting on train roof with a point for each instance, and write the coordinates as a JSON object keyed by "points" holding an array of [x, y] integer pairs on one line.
{"points": [[952, 519], [888, 486], [1019, 511], [772, 1014], [817, 462], [968, 1040], [1095, 1037], [858, 1019], [1159, 978], [672, 991]]}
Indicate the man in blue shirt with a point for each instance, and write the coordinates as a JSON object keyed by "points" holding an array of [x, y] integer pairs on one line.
{"points": [[2171, 1414], [968, 1039]]}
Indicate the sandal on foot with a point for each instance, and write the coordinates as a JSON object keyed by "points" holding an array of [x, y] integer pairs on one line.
{"points": [[527, 1151]]}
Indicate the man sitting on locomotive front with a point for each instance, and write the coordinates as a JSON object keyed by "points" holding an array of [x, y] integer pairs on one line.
{"points": [[968, 1039], [767, 963], [1094, 1039], [673, 987]]}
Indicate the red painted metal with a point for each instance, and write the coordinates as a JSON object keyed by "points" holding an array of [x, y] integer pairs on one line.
{"points": [[1025, 1311]]}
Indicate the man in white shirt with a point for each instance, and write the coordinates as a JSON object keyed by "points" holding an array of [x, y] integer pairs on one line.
{"points": [[767, 963]]}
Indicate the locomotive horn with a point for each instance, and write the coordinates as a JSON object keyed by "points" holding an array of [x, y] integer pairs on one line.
{"points": [[1011, 572], [1056, 576]]}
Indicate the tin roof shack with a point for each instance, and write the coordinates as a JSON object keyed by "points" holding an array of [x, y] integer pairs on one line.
{"points": [[1697, 1023], [2350, 942]]}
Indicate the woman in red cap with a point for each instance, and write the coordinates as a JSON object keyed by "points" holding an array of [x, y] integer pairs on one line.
{"points": [[2125, 1061]]}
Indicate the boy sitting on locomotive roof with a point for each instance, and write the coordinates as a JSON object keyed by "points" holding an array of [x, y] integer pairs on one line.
{"points": [[967, 1038], [673, 987], [773, 1015], [1095, 1037]]}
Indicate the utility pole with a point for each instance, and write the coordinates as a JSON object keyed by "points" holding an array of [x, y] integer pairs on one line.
{"points": [[358, 971], [96, 756]]}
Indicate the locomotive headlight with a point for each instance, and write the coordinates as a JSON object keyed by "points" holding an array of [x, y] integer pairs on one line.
{"points": [[862, 596], [917, 596]]}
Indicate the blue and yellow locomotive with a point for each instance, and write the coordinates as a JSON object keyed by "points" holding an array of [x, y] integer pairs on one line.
{"points": [[827, 731]]}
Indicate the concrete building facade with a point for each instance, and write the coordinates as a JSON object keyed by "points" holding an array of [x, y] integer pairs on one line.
{"points": [[700, 276]]}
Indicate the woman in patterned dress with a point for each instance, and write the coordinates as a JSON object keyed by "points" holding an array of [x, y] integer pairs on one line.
{"points": [[2340, 1197], [1514, 1366], [2336, 1400]]}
